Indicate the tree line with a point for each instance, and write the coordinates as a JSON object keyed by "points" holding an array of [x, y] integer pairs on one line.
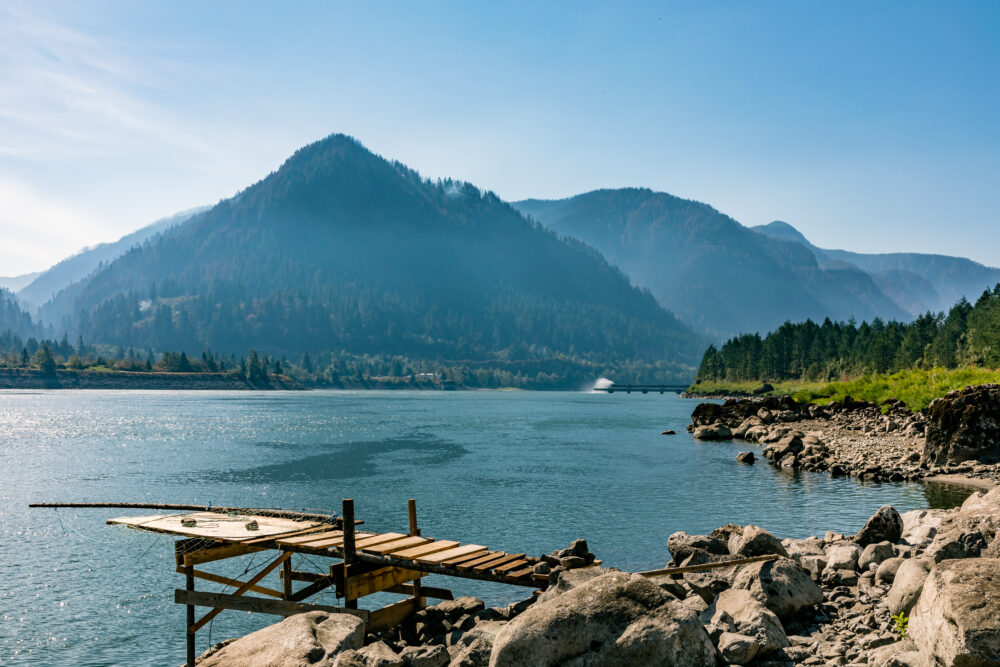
{"points": [[967, 336]]}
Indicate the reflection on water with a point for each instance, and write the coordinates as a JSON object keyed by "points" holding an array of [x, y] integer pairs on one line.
{"points": [[512, 470]]}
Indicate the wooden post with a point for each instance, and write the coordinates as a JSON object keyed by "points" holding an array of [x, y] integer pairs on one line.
{"points": [[415, 532], [189, 573], [349, 549], [286, 579]]}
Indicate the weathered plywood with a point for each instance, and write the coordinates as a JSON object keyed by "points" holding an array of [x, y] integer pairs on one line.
{"points": [[425, 549], [214, 525], [398, 545], [379, 580], [447, 554]]}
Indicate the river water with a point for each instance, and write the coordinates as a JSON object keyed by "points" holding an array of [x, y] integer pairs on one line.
{"points": [[517, 471]]}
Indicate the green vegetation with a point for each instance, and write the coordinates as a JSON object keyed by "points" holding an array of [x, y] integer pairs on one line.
{"points": [[901, 624]]}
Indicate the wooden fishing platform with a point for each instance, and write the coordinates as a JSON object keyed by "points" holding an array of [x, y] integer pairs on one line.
{"points": [[369, 562]]}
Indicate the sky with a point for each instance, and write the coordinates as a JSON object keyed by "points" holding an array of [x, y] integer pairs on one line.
{"points": [[869, 126]]}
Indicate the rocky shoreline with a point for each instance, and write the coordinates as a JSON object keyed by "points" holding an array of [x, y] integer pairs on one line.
{"points": [[911, 590]]}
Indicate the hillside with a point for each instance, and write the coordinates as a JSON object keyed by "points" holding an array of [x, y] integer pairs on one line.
{"points": [[48, 283], [712, 271], [917, 282], [14, 283], [343, 250]]}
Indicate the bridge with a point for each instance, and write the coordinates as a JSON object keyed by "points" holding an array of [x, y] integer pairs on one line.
{"points": [[643, 388]]}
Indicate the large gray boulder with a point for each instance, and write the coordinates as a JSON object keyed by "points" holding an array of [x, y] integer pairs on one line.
{"points": [[755, 541], [885, 526], [956, 622], [567, 580], [964, 425], [713, 432], [377, 654], [738, 613], [843, 556], [968, 532], [875, 554], [615, 619], [907, 584], [681, 545], [312, 639], [474, 647], [920, 526], [780, 585]]}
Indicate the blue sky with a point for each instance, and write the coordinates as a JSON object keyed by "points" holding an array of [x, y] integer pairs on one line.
{"points": [[869, 126]]}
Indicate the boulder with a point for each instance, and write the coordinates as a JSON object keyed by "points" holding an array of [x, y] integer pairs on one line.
{"points": [[755, 541], [706, 414], [713, 432], [736, 649], [780, 585], [956, 622], [473, 648], [897, 654], [885, 526], [377, 654], [309, 639], [740, 613], [967, 533], [886, 572], [808, 547], [907, 584], [681, 545], [920, 526], [432, 655], [567, 580], [964, 425], [790, 443], [814, 565], [616, 618], [874, 554], [745, 457], [843, 556]]}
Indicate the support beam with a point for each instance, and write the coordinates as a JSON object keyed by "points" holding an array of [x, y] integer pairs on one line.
{"points": [[257, 605], [241, 590], [411, 507], [189, 584], [391, 616], [235, 583], [426, 591], [349, 551]]}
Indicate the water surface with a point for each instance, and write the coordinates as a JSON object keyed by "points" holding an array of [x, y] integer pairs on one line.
{"points": [[519, 471]]}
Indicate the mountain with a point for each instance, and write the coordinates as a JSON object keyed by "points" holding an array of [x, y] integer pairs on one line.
{"points": [[15, 321], [712, 271], [340, 249], [14, 283], [917, 282], [46, 284]]}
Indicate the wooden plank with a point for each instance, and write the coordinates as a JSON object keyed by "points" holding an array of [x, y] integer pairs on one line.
{"points": [[399, 545], [379, 580], [313, 537], [708, 566], [241, 590], [391, 616], [214, 525], [425, 549], [334, 541], [378, 539], [494, 564], [425, 591], [468, 558], [447, 554], [517, 574], [220, 552], [479, 560], [259, 605], [507, 567], [219, 579]]}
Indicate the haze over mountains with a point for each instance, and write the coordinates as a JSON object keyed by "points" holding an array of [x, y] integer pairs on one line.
{"points": [[342, 252], [724, 278]]}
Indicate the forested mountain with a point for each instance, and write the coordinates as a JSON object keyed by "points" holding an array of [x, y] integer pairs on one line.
{"points": [[14, 320], [47, 284], [709, 269], [917, 282], [14, 283], [341, 250], [969, 335]]}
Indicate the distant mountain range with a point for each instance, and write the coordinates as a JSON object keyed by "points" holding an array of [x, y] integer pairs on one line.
{"points": [[725, 278], [15, 283], [340, 249], [44, 285]]}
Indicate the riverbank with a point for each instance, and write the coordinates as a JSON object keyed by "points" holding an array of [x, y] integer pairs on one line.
{"points": [[27, 378]]}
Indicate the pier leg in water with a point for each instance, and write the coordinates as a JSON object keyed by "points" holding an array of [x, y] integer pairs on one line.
{"points": [[189, 573], [415, 532], [349, 550]]}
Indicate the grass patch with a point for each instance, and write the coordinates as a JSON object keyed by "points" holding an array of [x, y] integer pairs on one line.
{"points": [[917, 387]]}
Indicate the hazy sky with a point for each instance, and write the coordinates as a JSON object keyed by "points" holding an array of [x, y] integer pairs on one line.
{"points": [[869, 126]]}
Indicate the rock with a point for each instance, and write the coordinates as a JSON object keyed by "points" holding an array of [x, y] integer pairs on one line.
{"points": [[814, 565], [567, 580], [755, 433], [843, 556], [374, 655], [964, 425], [874, 554], [573, 562], [956, 621], [764, 388], [780, 585], [920, 526], [897, 654], [737, 649], [614, 619], [433, 655], [739, 610], [705, 414], [311, 638], [473, 649], [681, 545], [798, 548], [886, 572], [713, 432], [755, 541], [885, 526], [465, 605], [789, 443], [745, 457], [907, 584], [668, 432]]}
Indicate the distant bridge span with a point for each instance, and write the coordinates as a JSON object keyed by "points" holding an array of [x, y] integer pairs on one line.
{"points": [[643, 388]]}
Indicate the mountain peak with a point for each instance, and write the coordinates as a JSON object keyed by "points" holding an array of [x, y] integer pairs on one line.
{"points": [[782, 230]]}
